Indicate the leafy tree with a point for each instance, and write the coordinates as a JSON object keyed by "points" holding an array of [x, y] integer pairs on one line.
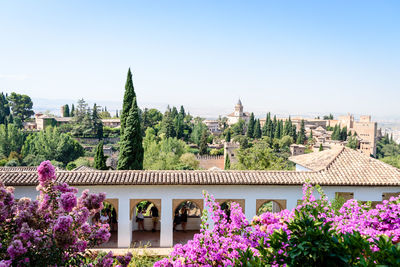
{"points": [[21, 106], [285, 141], [227, 164], [66, 112], [131, 148], [198, 130], [100, 159], [188, 161], [129, 98], [11, 139], [161, 153], [250, 126], [301, 138], [167, 124], [203, 143], [50, 144], [257, 129], [238, 128], [352, 142], [260, 157]]}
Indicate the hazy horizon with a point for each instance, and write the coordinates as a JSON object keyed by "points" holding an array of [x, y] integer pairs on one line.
{"points": [[291, 57]]}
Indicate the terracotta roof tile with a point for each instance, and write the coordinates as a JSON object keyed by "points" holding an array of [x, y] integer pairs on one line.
{"points": [[348, 167]]}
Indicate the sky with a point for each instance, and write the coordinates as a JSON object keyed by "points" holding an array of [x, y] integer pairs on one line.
{"points": [[288, 57]]}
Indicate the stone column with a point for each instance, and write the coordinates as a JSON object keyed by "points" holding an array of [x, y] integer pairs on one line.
{"points": [[124, 223], [166, 223], [250, 208]]}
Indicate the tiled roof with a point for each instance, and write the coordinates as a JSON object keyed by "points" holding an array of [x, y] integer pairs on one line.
{"points": [[316, 161], [349, 167], [20, 169], [84, 168]]}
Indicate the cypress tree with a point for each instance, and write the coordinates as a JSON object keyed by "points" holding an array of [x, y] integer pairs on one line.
{"points": [[257, 129], [277, 132], [203, 143], [97, 123], [228, 136], [311, 136], [129, 97], [250, 126], [182, 112], [72, 113], [321, 148], [66, 112], [227, 164], [100, 159], [280, 129], [116, 114], [131, 149], [343, 134], [302, 134]]}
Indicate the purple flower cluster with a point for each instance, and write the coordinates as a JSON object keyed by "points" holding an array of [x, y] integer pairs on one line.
{"points": [[220, 245], [46, 173], [51, 230]]}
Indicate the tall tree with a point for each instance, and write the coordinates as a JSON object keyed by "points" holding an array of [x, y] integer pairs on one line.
{"points": [[21, 106], [227, 164], [99, 158], [228, 136], [321, 148], [4, 109], [97, 123], [128, 100], [66, 112], [72, 113], [203, 143], [277, 133], [116, 113], [131, 148], [257, 129], [301, 138], [250, 126]]}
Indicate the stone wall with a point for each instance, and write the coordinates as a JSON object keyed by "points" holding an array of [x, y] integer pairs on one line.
{"points": [[208, 162]]}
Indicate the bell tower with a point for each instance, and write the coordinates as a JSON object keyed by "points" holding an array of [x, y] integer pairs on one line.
{"points": [[239, 109]]}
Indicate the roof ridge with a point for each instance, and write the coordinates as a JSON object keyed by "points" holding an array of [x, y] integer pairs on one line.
{"points": [[333, 160]]}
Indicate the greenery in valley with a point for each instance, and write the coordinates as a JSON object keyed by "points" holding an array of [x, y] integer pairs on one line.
{"points": [[50, 144], [388, 151]]}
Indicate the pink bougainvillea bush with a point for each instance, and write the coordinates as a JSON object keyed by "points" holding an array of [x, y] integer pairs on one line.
{"points": [[52, 230], [312, 234]]}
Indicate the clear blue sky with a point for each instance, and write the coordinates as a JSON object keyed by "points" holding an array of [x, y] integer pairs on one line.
{"points": [[279, 56]]}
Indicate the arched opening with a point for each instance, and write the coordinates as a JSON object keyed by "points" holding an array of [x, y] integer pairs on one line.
{"points": [[145, 223], [187, 220], [269, 206], [109, 214]]}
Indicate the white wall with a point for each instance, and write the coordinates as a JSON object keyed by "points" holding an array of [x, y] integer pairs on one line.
{"points": [[169, 192]]}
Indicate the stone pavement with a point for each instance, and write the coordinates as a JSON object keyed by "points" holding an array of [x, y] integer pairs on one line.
{"points": [[137, 251]]}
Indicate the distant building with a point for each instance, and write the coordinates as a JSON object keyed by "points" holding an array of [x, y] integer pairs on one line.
{"points": [[297, 149], [238, 114], [366, 130], [212, 125], [42, 121]]}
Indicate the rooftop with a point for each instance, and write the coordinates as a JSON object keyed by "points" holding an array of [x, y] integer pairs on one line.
{"points": [[344, 167]]}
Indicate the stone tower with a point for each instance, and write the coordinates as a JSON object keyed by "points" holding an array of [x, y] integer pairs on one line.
{"points": [[239, 109]]}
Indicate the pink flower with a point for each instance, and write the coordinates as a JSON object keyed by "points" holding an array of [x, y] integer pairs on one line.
{"points": [[46, 173], [68, 201]]}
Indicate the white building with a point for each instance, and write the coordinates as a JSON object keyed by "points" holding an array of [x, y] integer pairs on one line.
{"points": [[238, 114], [346, 172]]}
